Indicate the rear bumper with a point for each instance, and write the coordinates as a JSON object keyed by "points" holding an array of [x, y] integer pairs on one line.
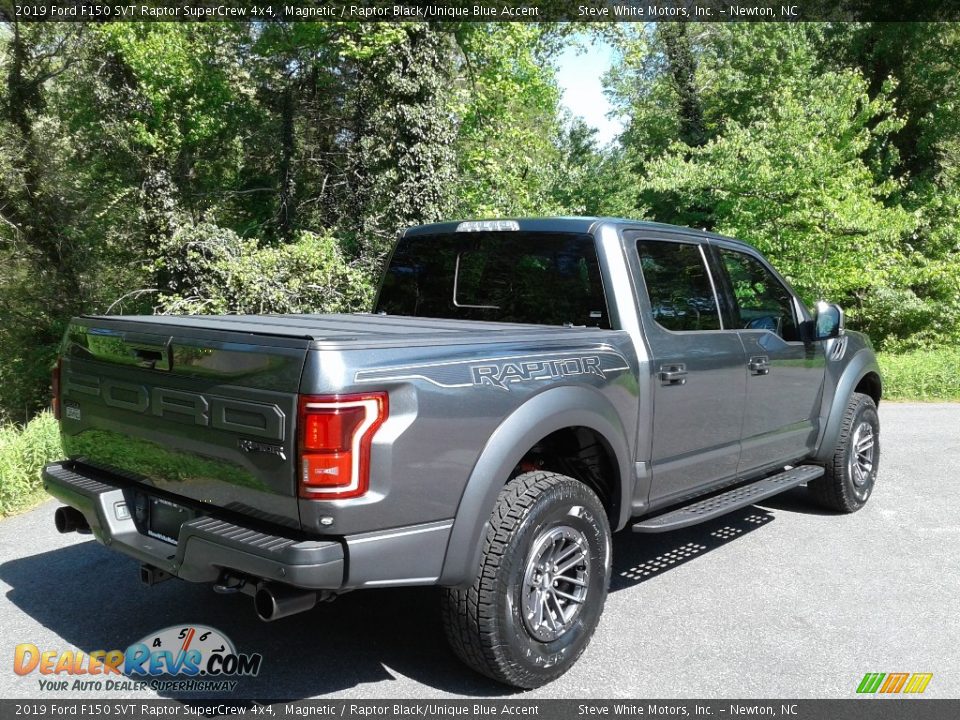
{"points": [[206, 547]]}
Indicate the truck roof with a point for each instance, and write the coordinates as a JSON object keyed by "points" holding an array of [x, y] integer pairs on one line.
{"points": [[571, 224]]}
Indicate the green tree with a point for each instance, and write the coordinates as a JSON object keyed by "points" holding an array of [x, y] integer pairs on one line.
{"points": [[40, 252], [921, 307], [589, 180], [215, 271], [401, 156], [779, 150], [509, 121], [793, 182]]}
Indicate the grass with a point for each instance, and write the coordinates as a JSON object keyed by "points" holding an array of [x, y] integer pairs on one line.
{"points": [[921, 375], [23, 451]]}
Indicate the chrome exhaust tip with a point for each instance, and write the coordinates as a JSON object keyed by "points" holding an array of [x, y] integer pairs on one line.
{"points": [[273, 602]]}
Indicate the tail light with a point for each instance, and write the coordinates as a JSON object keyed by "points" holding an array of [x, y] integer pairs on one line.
{"points": [[55, 390], [335, 437]]}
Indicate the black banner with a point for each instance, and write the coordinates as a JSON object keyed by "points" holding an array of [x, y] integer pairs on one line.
{"points": [[854, 709], [479, 10]]}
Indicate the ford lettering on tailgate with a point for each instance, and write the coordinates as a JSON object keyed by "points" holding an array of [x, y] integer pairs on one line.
{"points": [[221, 413]]}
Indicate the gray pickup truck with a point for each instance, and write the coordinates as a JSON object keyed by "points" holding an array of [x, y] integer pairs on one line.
{"points": [[522, 389]]}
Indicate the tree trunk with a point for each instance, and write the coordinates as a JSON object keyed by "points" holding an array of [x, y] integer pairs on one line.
{"points": [[683, 69]]}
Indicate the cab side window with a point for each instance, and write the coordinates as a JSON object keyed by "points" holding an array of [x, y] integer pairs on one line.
{"points": [[678, 286], [761, 302]]}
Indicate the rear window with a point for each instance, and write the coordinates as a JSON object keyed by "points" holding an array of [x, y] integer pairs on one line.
{"points": [[538, 278]]}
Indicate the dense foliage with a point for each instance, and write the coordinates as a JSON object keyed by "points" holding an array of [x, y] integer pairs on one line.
{"points": [[246, 168], [834, 149], [216, 167], [23, 452]]}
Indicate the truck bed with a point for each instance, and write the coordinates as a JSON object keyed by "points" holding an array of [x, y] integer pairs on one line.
{"points": [[204, 407]]}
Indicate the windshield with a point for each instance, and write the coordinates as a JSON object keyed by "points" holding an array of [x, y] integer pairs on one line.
{"points": [[520, 277]]}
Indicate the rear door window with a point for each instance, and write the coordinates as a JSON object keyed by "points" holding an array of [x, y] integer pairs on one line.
{"points": [[678, 286]]}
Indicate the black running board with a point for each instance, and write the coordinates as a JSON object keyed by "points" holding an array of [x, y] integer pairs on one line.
{"points": [[714, 507]]}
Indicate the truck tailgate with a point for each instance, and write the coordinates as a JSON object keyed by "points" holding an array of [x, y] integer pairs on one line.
{"points": [[192, 409]]}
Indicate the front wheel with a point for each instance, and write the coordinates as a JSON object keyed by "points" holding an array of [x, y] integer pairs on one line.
{"points": [[541, 585], [851, 473]]}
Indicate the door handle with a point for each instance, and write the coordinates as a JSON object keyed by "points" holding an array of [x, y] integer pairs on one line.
{"points": [[147, 358], [759, 365], [151, 355], [673, 375]]}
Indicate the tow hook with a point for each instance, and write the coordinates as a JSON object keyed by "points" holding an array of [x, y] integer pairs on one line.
{"points": [[228, 584]]}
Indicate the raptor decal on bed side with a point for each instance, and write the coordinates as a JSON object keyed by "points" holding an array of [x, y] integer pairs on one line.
{"points": [[502, 372]]}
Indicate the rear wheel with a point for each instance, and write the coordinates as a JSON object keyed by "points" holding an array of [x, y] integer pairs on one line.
{"points": [[541, 585], [850, 475]]}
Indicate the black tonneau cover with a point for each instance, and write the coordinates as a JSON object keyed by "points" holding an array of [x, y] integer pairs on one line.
{"points": [[358, 330]]}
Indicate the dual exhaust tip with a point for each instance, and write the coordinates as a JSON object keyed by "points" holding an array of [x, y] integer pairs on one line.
{"points": [[68, 520], [271, 601]]}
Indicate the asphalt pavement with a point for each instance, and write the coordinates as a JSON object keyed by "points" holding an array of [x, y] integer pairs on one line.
{"points": [[779, 600]]}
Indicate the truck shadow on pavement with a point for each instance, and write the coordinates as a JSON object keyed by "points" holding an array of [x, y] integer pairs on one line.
{"points": [[92, 598], [640, 557], [797, 499]]}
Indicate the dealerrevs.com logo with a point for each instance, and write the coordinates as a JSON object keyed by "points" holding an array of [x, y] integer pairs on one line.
{"points": [[201, 659]]}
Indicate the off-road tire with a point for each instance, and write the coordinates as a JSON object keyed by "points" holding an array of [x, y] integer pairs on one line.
{"points": [[486, 625], [841, 487]]}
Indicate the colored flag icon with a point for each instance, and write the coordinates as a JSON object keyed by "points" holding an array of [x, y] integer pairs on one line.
{"points": [[892, 683]]}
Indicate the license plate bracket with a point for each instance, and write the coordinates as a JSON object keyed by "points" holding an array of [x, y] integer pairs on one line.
{"points": [[165, 519]]}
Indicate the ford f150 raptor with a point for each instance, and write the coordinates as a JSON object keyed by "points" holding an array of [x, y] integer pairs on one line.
{"points": [[521, 389]]}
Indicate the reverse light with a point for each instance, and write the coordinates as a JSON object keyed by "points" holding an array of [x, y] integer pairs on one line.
{"points": [[55, 390], [334, 443]]}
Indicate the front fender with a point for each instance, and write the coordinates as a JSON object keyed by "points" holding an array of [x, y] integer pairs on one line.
{"points": [[547, 412], [856, 368]]}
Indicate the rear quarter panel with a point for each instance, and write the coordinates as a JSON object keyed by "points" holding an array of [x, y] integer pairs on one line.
{"points": [[446, 403]]}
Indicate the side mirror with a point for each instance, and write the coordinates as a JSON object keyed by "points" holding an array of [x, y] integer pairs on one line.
{"points": [[828, 320]]}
